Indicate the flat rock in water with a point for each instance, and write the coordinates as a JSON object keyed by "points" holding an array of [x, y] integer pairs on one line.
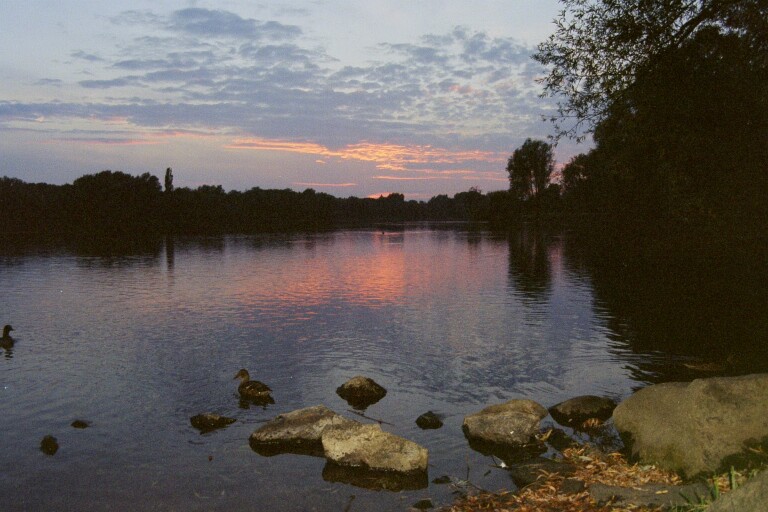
{"points": [[298, 431], [360, 392], [751, 496], [208, 421], [697, 427], [515, 422], [575, 411], [367, 446], [650, 495]]}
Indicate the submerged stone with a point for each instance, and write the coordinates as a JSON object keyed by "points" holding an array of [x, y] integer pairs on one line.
{"points": [[207, 422], [49, 445], [375, 480]]}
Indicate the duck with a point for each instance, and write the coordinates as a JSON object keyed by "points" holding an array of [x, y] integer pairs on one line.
{"points": [[6, 341], [252, 389]]}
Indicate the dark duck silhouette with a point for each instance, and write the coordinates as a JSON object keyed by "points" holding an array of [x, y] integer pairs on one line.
{"points": [[253, 389], [6, 341]]}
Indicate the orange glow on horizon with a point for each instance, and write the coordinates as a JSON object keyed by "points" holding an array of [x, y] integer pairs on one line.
{"points": [[392, 157], [323, 185]]}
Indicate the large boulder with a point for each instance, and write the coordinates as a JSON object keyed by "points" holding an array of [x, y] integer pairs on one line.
{"points": [[369, 447], [512, 423], [753, 495], [298, 431], [360, 392], [696, 427], [575, 411]]}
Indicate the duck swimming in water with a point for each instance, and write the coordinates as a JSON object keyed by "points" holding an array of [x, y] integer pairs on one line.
{"points": [[252, 389], [6, 341]]}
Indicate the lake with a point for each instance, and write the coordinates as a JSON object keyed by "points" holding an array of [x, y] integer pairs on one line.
{"points": [[447, 318]]}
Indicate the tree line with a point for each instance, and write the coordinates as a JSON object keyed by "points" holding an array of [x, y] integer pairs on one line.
{"points": [[114, 204]]}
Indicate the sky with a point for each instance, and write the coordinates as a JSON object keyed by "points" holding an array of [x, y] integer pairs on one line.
{"points": [[348, 97]]}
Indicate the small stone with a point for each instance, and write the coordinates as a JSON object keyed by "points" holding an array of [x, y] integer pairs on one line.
{"points": [[442, 480], [559, 440], [208, 422], [429, 420], [360, 392], [424, 504], [576, 411], [80, 424], [49, 445], [572, 486]]}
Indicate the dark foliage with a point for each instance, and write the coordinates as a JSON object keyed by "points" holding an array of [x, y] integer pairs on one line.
{"points": [[119, 206]]}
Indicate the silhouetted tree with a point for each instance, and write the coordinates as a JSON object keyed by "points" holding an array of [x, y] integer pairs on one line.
{"points": [[530, 168], [601, 46], [168, 180]]}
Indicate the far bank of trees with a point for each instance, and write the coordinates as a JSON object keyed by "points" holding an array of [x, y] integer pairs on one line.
{"points": [[113, 204]]}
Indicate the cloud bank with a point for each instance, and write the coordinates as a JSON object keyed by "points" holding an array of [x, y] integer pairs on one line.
{"points": [[458, 101]]}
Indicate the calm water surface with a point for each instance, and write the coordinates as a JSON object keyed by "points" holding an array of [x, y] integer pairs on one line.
{"points": [[447, 320]]}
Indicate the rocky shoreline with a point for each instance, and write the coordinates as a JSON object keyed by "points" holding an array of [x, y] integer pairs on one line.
{"points": [[678, 434], [681, 435]]}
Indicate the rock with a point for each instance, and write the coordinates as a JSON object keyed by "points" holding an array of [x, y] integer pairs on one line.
{"points": [[696, 427], [559, 440], [527, 473], [753, 495], [575, 411], [429, 420], [49, 445], [80, 424], [424, 504], [360, 392], [208, 422], [649, 495], [370, 447], [506, 430], [511, 423], [297, 431], [375, 480], [572, 486]]}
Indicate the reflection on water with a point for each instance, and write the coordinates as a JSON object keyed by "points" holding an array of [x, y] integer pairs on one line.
{"points": [[447, 320]]}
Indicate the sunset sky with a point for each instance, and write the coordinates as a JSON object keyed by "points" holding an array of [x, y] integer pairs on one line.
{"points": [[352, 98]]}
